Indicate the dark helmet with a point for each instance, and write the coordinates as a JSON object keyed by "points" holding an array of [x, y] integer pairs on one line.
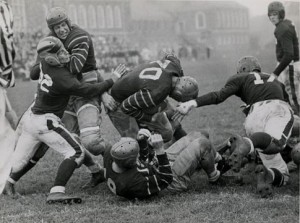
{"points": [[48, 48], [57, 15], [276, 7]]}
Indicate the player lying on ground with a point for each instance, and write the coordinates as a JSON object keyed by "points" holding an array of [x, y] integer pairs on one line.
{"points": [[43, 122], [269, 118], [142, 95], [130, 177]]}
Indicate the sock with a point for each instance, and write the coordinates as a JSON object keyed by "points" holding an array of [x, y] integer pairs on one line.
{"points": [[278, 178], [214, 176], [179, 133], [17, 175], [65, 171]]}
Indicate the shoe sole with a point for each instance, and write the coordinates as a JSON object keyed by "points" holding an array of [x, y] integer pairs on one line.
{"points": [[72, 200]]}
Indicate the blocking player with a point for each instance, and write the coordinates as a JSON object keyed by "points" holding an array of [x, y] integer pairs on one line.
{"points": [[82, 116], [43, 123], [127, 176], [287, 53], [269, 118], [142, 95]]}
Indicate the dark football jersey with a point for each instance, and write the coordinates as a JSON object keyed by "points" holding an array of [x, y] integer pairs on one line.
{"points": [[142, 181], [146, 86], [80, 45], [56, 84], [250, 87], [287, 46]]}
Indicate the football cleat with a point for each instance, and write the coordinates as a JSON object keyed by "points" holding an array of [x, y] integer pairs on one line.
{"points": [[96, 179], [240, 148], [264, 180], [223, 165], [59, 197]]}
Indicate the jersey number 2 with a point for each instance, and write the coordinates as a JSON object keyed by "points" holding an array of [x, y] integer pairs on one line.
{"points": [[45, 81]]}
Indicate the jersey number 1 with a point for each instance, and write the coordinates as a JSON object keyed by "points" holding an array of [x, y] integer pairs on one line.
{"points": [[258, 79]]}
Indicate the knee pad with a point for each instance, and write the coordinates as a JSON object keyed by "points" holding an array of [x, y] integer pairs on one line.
{"points": [[94, 143]]}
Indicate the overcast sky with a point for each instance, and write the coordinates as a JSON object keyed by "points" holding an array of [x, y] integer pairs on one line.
{"points": [[256, 7]]}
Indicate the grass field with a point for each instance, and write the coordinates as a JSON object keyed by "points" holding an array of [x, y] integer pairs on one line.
{"points": [[202, 203]]}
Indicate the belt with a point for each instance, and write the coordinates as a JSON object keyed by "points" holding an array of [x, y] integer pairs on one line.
{"points": [[260, 103]]}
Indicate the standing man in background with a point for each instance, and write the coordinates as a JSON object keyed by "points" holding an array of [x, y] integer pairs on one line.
{"points": [[287, 53], [8, 117]]}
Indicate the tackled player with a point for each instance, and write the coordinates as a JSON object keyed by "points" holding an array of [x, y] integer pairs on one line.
{"points": [[130, 177]]}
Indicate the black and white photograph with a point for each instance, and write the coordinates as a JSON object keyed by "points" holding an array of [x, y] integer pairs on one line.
{"points": [[143, 111]]}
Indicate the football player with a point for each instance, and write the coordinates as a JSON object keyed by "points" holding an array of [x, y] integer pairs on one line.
{"points": [[287, 53], [142, 95], [131, 178], [43, 123], [269, 118], [82, 116]]}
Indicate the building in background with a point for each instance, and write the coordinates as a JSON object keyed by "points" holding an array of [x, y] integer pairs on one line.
{"points": [[205, 28]]}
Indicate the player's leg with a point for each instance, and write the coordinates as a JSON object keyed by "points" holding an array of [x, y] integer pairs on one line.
{"points": [[273, 173], [25, 149], [61, 140], [186, 156], [125, 125], [89, 121], [269, 126], [160, 124], [71, 123]]}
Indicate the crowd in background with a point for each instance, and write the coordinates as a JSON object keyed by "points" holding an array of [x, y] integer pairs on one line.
{"points": [[110, 51]]}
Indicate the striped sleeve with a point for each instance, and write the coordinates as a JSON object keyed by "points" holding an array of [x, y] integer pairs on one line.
{"points": [[135, 104], [79, 51], [7, 51], [156, 179]]}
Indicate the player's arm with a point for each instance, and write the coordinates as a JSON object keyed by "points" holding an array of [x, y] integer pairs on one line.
{"points": [[143, 99], [35, 70], [231, 87], [79, 52], [68, 84], [286, 41], [158, 178]]}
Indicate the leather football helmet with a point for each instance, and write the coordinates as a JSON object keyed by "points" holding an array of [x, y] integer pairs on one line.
{"points": [[125, 152], [276, 7], [248, 64], [57, 15], [48, 48], [186, 88]]}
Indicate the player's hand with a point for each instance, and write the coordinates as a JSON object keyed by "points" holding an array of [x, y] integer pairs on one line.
{"points": [[156, 141], [118, 72], [109, 102], [143, 134], [183, 109], [274, 76]]}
